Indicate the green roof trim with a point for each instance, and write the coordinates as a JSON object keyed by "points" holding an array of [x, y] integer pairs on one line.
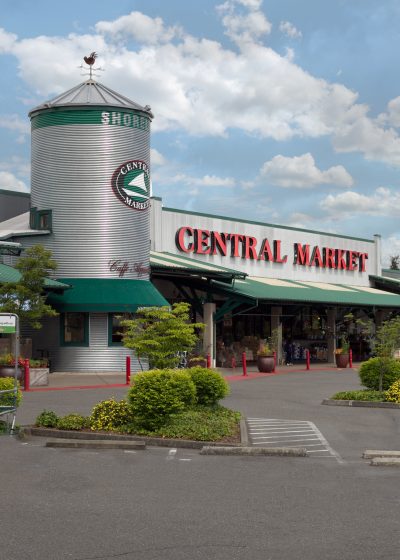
{"points": [[15, 193], [174, 261], [11, 274], [240, 220], [55, 116], [106, 295], [304, 292]]}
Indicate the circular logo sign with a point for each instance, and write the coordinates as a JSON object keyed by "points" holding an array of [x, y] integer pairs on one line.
{"points": [[131, 184]]}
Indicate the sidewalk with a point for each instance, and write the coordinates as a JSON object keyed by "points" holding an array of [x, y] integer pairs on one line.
{"points": [[64, 380]]}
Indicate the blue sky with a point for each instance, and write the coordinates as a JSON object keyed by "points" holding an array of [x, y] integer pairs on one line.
{"points": [[282, 111]]}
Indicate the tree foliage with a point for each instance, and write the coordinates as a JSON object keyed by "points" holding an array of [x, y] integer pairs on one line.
{"points": [[26, 297], [395, 262], [159, 333], [387, 341]]}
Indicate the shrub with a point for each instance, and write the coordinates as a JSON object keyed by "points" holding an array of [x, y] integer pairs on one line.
{"points": [[371, 369], [47, 419], [110, 415], [393, 393], [156, 394], [366, 395], [8, 399], [73, 422], [210, 385]]}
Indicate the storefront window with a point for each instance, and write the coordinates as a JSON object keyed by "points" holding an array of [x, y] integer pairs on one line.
{"points": [[115, 330], [75, 329]]}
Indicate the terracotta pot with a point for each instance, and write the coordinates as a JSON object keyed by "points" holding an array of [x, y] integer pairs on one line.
{"points": [[265, 364], [342, 360]]}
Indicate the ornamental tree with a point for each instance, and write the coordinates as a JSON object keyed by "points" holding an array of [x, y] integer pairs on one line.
{"points": [[387, 341], [26, 297], [160, 333]]}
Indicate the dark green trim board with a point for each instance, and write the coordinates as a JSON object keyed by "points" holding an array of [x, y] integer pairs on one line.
{"points": [[103, 117], [85, 341], [227, 218]]}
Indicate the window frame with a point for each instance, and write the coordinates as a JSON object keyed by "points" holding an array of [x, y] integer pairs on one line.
{"points": [[85, 341]]}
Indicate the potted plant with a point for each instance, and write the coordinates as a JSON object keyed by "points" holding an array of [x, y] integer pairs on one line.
{"points": [[265, 358], [7, 366], [342, 354]]}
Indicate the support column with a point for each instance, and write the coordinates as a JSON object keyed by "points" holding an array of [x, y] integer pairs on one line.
{"points": [[331, 315], [276, 324], [380, 316], [209, 331]]}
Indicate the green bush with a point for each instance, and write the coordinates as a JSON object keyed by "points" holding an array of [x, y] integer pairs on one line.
{"points": [[393, 393], [8, 399], [365, 395], [73, 422], [156, 394], [47, 419], [110, 415], [370, 371], [210, 385]]}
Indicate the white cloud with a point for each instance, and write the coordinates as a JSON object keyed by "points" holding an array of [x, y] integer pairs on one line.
{"points": [[7, 41], [10, 182], [139, 26], [383, 202], [301, 172], [15, 123], [244, 27], [205, 181], [290, 30], [156, 158]]}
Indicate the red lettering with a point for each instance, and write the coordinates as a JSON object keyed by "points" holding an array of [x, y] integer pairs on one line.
{"points": [[277, 253], [180, 239], [329, 257], [363, 258], [218, 241], [301, 254], [235, 240], [250, 248], [265, 253], [340, 259], [316, 258], [201, 239], [351, 260]]}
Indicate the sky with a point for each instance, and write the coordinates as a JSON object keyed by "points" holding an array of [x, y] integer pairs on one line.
{"points": [[278, 111]]}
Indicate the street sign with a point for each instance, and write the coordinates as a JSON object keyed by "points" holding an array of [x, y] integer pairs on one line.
{"points": [[8, 323]]}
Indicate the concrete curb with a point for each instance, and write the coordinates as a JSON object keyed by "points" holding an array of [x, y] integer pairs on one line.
{"points": [[361, 404], [157, 442], [385, 462], [95, 444], [372, 453], [265, 451], [244, 438]]}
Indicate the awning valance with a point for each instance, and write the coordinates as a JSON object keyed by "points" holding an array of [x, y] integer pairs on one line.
{"points": [[106, 295]]}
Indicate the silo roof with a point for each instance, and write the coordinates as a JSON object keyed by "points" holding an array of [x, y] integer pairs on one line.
{"points": [[91, 93]]}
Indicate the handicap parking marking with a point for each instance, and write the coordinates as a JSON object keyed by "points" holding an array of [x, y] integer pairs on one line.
{"points": [[276, 432]]}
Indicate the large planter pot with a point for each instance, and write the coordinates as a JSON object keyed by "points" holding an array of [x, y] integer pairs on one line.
{"points": [[9, 371], [265, 364], [342, 360]]}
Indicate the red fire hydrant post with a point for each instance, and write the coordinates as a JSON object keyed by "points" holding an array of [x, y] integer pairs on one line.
{"points": [[26, 375], [307, 359], [128, 370], [244, 363], [208, 361], [233, 364], [273, 371], [350, 358]]}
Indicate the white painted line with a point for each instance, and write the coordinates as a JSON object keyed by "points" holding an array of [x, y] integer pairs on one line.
{"points": [[127, 451], [283, 443], [185, 459], [311, 436], [334, 453], [274, 431]]}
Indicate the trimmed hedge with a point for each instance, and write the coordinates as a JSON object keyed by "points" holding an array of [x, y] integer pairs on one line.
{"points": [[210, 385], [7, 399], [393, 393], [370, 370], [111, 415], [156, 394], [73, 422], [47, 419]]}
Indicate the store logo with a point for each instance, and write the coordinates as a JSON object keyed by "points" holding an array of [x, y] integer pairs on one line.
{"points": [[131, 184]]}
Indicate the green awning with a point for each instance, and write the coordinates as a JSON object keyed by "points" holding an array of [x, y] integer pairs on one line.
{"points": [[272, 289], [11, 274], [388, 283], [106, 295]]}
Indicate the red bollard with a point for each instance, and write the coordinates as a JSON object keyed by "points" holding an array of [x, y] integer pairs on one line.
{"points": [[350, 358], [128, 370], [208, 361], [233, 363], [307, 359], [273, 371], [244, 364], [26, 375]]}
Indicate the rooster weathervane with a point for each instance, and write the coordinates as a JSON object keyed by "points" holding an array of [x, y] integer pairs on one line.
{"points": [[90, 60]]}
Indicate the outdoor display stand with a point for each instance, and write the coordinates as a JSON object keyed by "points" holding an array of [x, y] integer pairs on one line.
{"points": [[9, 324]]}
